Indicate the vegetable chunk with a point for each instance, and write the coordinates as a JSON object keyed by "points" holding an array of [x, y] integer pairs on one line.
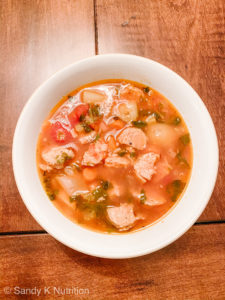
{"points": [[162, 134], [122, 217], [126, 111], [144, 166], [93, 96], [56, 157], [95, 154], [134, 137]]}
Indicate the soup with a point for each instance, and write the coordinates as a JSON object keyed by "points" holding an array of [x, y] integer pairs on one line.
{"points": [[114, 156]]}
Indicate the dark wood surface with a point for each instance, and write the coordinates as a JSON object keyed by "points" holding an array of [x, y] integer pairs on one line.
{"points": [[38, 37], [191, 268]]}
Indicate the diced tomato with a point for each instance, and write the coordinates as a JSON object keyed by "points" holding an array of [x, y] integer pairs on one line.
{"points": [[74, 116], [59, 133]]}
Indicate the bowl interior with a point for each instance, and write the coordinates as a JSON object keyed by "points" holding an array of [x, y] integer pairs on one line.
{"points": [[196, 116]]}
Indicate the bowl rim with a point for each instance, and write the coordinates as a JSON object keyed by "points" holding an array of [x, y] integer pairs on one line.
{"points": [[189, 222]]}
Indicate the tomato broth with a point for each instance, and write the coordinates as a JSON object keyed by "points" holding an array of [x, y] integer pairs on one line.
{"points": [[114, 156]]}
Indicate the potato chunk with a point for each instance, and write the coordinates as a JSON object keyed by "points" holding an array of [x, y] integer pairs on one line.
{"points": [[92, 96], [161, 134], [126, 111]]}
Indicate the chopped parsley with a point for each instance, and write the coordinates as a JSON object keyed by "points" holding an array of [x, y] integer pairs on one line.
{"points": [[61, 159], [139, 124], [94, 111], [133, 154], [82, 117], [185, 139], [158, 117], [182, 159], [175, 188], [87, 128], [146, 89], [143, 196], [97, 137], [87, 202], [122, 152], [105, 184], [176, 121], [76, 197], [48, 188], [99, 192], [77, 166]]}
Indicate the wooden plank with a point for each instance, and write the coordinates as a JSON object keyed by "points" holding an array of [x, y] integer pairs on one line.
{"points": [[186, 36], [191, 268], [37, 39]]}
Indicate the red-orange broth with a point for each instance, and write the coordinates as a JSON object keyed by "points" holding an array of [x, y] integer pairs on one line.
{"points": [[114, 155]]}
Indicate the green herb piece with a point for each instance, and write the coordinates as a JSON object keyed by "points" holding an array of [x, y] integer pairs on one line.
{"points": [[77, 166], [48, 188], [100, 209], [86, 127], [177, 121], [51, 195], [122, 152], [158, 117], [76, 197], [82, 117], [47, 182], [139, 124], [88, 197], [185, 139], [94, 111], [175, 188], [146, 89], [63, 158], [106, 184], [133, 154], [99, 192], [97, 137], [142, 196], [182, 159]]}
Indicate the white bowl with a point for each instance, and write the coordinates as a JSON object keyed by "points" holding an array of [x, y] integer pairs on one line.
{"points": [[196, 116]]}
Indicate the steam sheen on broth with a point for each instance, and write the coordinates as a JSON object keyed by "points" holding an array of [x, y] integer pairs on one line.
{"points": [[114, 156]]}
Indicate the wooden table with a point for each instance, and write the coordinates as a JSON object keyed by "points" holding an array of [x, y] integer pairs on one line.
{"points": [[38, 37]]}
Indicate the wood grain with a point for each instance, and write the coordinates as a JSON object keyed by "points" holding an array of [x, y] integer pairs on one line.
{"points": [[191, 268], [188, 37], [37, 39]]}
